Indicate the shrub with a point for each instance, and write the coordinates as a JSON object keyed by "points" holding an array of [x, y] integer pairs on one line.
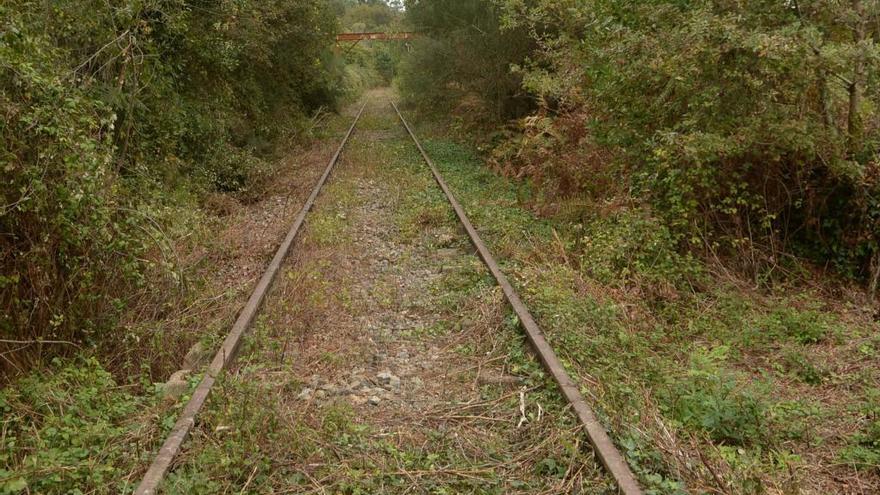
{"points": [[67, 427], [463, 51], [64, 234], [109, 112], [628, 244], [750, 129], [712, 399]]}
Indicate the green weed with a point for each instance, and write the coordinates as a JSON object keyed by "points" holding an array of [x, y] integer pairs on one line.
{"points": [[863, 450], [797, 419], [647, 462], [803, 368], [628, 245], [69, 426], [328, 228], [713, 399], [803, 326]]}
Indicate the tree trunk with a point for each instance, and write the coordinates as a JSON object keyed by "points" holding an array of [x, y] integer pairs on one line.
{"points": [[854, 120], [874, 275], [825, 108]]}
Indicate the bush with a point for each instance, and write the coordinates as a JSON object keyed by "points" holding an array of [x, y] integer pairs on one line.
{"points": [[711, 399], [750, 129], [368, 64], [65, 235], [740, 128], [109, 112], [463, 51], [67, 427], [629, 245]]}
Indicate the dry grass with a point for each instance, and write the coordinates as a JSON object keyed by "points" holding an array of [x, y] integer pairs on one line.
{"points": [[354, 307]]}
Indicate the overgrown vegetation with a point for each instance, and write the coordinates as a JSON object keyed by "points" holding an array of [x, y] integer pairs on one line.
{"points": [[118, 116], [461, 60], [694, 217], [685, 177], [438, 434], [62, 429], [751, 130], [707, 387], [367, 63], [129, 130]]}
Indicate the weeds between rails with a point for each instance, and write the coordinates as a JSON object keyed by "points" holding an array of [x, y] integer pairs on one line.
{"points": [[604, 448], [162, 462]]}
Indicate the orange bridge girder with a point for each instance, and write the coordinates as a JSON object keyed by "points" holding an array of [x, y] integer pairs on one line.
{"points": [[374, 36]]}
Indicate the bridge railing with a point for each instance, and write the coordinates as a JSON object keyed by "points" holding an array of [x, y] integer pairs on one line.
{"points": [[374, 36]]}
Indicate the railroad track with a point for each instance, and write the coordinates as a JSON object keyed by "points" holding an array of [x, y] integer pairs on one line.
{"points": [[602, 445]]}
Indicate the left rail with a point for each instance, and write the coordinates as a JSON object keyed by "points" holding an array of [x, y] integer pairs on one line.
{"points": [[162, 462]]}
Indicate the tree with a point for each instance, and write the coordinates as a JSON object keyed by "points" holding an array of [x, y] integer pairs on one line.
{"points": [[463, 51], [112, 113]]}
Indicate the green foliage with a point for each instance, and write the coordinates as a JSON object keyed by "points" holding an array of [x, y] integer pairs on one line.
{"points": [[358, 77], [697, 366], [864, 448], [751, 129], [238, 452], [713, 400], [66, 427], [804, 369], [116, 112], [463, 56], [368, 64], [629, 244], [803, 326], [648, 464], [370, 16], [234, 169], [695, 371], [735, 117]]}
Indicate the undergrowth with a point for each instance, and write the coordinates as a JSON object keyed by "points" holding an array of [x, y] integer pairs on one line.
{"points": [[685, 366], [258, 436], [73, 429], [118, 118]]}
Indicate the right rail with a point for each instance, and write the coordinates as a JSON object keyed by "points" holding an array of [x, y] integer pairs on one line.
{"points": [[602, 445]]}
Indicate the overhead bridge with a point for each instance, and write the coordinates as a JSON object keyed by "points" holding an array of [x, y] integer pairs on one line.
{"points": [[374, 36]]}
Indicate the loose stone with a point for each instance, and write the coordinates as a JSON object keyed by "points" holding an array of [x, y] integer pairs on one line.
{"points": [[389, 381], [305, 394], [176, 385], [196, 357]]}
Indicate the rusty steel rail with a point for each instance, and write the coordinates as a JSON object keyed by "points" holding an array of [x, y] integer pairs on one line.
{"points": [[162, 462], [602, 445]]}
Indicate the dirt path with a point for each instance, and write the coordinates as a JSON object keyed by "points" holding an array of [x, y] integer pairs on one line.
{"points": [[385, 361]]}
